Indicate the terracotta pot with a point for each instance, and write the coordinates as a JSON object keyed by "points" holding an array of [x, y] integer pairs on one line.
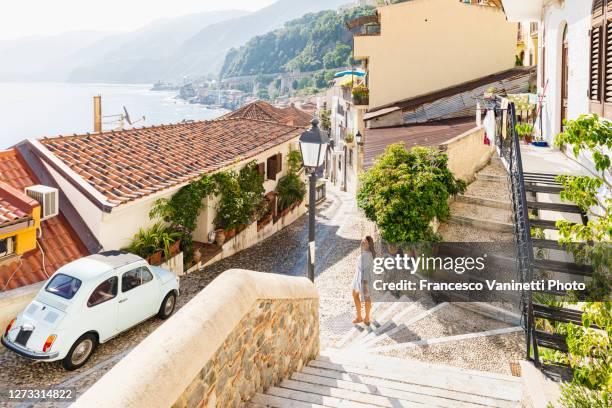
{"points": [[528, 139], [229, 234], [197, 255], [155, 259], [175, 248], [220, 236]]}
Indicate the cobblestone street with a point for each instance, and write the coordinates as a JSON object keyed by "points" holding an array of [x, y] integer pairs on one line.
{"points": [[339, 228]]}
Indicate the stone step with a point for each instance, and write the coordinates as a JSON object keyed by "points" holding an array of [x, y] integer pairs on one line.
{"points": [[357, 329], [480, 212], [384, 320], [488, 189], [480, 223], [407, 314], [316, 392], [436, 396], [479, 383], [491, 177], [338, 379], [424, 313], [452, 232], [385, 396], [485, 202]]}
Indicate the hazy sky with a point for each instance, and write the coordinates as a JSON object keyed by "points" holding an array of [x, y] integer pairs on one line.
{"points": [[21, 18]]}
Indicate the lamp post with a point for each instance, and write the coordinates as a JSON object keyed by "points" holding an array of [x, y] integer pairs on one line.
{"points": [[313, 146]]}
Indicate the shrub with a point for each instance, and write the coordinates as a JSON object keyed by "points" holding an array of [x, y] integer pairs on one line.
{"points": [[290, 189], [157, 238], [406, 190]]}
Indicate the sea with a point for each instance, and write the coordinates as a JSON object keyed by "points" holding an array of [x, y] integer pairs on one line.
{"points": [[36, 110]]}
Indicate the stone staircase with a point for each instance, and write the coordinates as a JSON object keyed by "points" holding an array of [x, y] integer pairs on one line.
{"points": [[419, 353], [344, 379]]}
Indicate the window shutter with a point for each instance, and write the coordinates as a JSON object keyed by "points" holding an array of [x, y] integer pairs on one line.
{"points": [[607, 82], [271, 165], [279, 163], [261, 169], [595, 79], [598, 8]]}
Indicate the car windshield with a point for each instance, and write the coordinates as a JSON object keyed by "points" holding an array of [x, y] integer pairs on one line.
{"points": [[64, 286]]}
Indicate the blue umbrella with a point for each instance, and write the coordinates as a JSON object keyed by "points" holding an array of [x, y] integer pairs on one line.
{"points": [[350, 72]]}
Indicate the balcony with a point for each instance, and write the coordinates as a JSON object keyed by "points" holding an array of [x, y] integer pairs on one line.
{"points": [[358, 94], [365, 25]]}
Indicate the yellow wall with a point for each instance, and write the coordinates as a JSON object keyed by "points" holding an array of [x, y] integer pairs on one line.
{"points": [[426, 45], [25, 238]]}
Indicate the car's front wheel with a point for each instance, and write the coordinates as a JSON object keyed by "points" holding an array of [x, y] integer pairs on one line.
{"points": [[80, 352], [167, 306]]}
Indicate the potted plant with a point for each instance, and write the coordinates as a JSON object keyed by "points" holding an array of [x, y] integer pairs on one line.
{"points": [[525, 131], [361, 95], [349, 138], [219, 236]]}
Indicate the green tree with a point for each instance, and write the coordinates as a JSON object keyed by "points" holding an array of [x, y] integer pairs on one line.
{"points": [[590, 348], [406, 190], [338, 57]]}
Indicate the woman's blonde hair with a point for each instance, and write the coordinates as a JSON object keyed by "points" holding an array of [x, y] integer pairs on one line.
{"points": [[371, 245]]}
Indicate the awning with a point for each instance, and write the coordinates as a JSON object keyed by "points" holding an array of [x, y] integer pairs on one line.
{"points": [[523, 10]]}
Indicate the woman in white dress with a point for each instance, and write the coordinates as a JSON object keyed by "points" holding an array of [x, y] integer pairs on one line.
{"points": [[362, 279]]}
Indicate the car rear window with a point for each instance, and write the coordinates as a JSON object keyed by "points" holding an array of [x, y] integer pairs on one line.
{"points": [[64, 286]]}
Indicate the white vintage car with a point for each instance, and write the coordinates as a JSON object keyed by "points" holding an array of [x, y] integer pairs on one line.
{"points": [[87, 302]]}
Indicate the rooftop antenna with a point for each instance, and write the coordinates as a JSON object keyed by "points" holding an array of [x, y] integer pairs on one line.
{"points": [[117, 121]]}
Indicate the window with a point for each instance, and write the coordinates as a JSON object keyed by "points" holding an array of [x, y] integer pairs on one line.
{"points": [[7, 246], [350, 157], [600, 62], [64, 286], [134, 278], [274, 165], [107, 290]]}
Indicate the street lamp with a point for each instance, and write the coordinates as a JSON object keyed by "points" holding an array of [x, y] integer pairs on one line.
{"points": [[313, 146]]}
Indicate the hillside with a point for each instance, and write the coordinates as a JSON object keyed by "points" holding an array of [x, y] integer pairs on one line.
{"points": [[312, 42], [44, 58], [142, 56], [205, 52]]}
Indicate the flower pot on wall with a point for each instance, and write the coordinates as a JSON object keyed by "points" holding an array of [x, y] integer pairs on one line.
{"points": [[220, 236], [155, 259], [229, 234], [175, 248]]}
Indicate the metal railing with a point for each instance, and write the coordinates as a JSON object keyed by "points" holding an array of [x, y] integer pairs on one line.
{"points": [[508, 147]]}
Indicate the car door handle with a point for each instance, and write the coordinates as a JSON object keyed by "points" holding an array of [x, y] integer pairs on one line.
{"points": [[122, 300]]}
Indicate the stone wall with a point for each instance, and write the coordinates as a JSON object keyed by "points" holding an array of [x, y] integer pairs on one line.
{"points": [[276, 338], [467, 154], [13, 301], [241, 334]]}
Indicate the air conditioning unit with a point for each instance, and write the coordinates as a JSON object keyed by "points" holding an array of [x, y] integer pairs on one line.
{"points": [[48, 197]]}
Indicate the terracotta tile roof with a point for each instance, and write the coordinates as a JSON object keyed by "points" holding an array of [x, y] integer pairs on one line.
{"points": [[131, 164], [59, 243], [15, 206], [426, 134], [261, 110], [299, 117]]}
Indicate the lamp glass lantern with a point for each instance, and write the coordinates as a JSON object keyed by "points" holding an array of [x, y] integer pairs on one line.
{"points": [[359, 138], [313, 146]]}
